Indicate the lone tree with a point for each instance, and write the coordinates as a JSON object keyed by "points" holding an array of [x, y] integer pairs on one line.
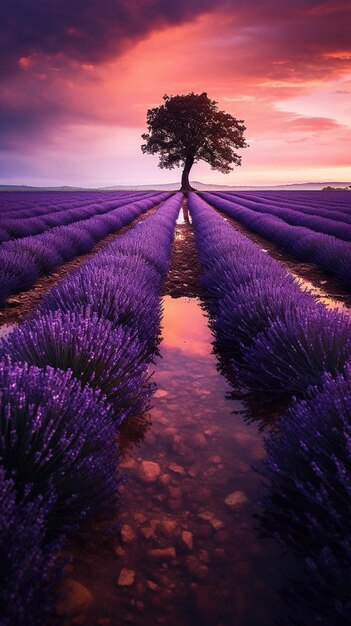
{"points": [[187, 129]]}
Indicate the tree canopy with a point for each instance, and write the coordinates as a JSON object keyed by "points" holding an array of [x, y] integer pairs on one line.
{"points": [[190, 128]]}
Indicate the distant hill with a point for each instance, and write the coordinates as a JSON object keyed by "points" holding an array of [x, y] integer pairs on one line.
{"points": [[208, 187], [32, 188], [175, 186]]}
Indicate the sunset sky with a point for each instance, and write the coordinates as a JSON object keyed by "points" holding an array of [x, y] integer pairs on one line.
{"points": [[77, 77]]}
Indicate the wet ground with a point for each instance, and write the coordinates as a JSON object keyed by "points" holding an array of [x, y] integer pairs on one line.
{"points": [[188, 551], [183, 278]]}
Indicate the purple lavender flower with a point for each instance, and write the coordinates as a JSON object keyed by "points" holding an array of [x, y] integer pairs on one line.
{"points": [[308, 499], [122, 298], [295, 352], [29, 567], [60, 437], [105, 357]]}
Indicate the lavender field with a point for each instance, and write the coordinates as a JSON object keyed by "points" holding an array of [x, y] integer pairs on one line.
{"points": [[175, 383]]}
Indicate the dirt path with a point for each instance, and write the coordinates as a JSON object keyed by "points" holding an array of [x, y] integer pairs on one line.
{"points": [[183, 278], [187, 551]]}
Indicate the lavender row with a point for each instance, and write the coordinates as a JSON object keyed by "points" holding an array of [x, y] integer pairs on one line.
{"points": [[293, 217], [69, 376], [24, 260], [27, 204], [330, 253], [19, 227], [279, 341], [342, 201], [307, 506], [288, 210]]}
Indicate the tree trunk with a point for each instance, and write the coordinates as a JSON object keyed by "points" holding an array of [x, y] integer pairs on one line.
{"points": [[189, 162]]}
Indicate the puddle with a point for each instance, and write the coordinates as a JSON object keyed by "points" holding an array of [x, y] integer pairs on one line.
{"points": [[188, 553], [184, 216], [322, 296]]}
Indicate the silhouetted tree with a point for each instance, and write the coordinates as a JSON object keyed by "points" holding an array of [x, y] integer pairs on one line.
{"points": [[190, 128]]}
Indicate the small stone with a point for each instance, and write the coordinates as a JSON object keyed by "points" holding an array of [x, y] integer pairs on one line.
{"points": [[204, 556], [128, 534], [147, 532], [193, 472], [165, 479], [126, 577], [217, 524], [206, 515], [175, 492], [162, 554], [149, 471], [151, 585], [159, 497], [160, 393], [200, 441], [177, 469], [76, 598], [120, 552], [140, 518], [186, 540], [196, 569], [12, 301], [127, 463], [168, 527], [236, 499], [216, 460]]}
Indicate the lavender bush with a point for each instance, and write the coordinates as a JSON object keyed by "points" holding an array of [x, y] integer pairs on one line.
{"points": [[57, 436], [296, 350], [29, 568], [322, 248], [24, 260], [99, 354], [308, 503]]}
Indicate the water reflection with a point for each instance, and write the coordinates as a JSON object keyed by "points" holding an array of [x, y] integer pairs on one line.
{"points": [[184, 216], [322, 296], [188, 551]]}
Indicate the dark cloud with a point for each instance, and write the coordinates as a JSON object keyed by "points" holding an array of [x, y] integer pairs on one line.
{"points": [[84, 30], [91, 31], [44, 42]]}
